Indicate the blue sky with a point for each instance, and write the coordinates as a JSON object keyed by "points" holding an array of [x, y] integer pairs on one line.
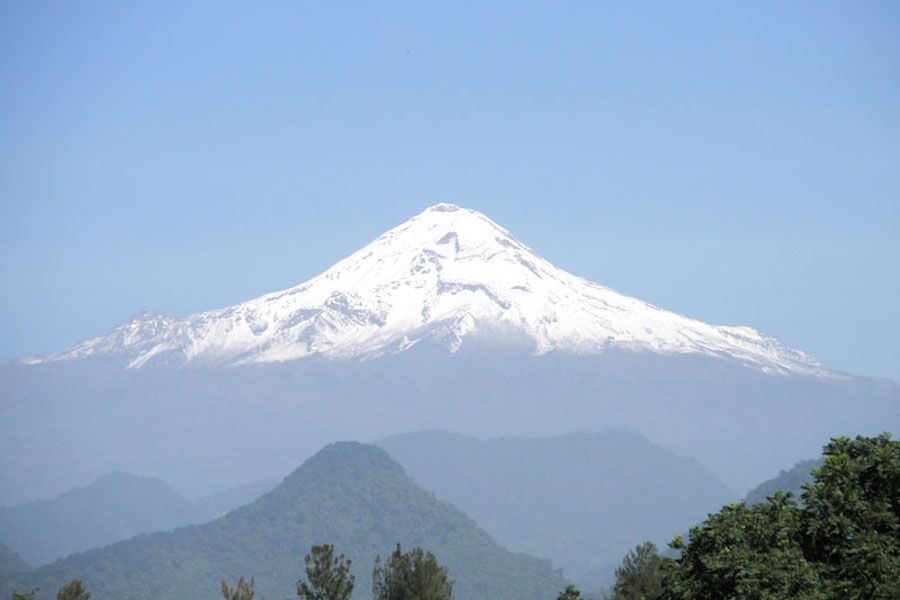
{"points": [[738, 163]]}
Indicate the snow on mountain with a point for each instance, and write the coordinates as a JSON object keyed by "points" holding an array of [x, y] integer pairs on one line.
{"points": [[443, 275]]}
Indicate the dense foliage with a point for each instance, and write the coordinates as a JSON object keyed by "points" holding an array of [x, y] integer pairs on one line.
{"points": [[352, 495], [842, 543], [414, 575], [328, 577]]}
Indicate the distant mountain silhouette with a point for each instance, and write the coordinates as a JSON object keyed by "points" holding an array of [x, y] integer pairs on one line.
{"points": [[214, 505], [112, 508], [789, 480], [581, 499]]}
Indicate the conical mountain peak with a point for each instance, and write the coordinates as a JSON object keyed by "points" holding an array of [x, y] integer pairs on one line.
{"points": [[441, 276]]}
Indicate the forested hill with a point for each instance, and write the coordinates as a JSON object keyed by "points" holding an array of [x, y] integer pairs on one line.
{"points": [[349, 494], [790, 480]]}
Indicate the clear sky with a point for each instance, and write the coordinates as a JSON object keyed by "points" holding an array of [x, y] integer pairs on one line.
{"points": [[735, 162]]}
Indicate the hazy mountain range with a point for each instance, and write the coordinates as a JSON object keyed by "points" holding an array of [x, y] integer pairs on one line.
{"points": [[445, 322], [11, 563], [582, 499], [349, 494], [115, 507]]}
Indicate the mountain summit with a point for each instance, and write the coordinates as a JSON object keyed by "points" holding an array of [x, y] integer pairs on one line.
{"points": [[445, 274]]}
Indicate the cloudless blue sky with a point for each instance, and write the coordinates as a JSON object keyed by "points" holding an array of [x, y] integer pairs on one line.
{"points": [[735, 162]]}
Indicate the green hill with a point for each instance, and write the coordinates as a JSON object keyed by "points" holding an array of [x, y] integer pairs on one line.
{"points": [[581, 499], [11, 563], [115, 507], [790, 480], [349, 494]]}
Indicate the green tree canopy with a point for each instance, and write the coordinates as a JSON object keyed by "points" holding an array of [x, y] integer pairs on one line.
{"points": [[842, 543], [415, 575], [328, 576]]}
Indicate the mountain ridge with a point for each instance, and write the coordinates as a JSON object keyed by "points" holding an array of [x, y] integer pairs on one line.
{"points": [[441, 276]]}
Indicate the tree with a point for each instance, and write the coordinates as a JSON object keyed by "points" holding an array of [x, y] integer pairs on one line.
{"points": [[242, 591], [24, 595], [639, 576], [570, 593], [843, 543], [851, 517], [328, 576], [74, 590], [415, 575], [744, 552]]}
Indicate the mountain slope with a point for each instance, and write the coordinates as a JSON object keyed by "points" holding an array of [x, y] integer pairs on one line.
{"points": [[216, 504], [581, 499], [441, 276], [791, 480], [349, 494], [11, 563], [112, 508]]}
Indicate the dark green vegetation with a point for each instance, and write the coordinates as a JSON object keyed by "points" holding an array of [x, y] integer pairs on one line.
{"points": [[10, 562], [414, 575], [580, 499], [841, 543], [639, 576], [115, 507], [328, 577], [349, 494], [788, 481]]}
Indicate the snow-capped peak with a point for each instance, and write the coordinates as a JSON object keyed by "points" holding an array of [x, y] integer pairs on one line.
{"points": [[443, 275]]}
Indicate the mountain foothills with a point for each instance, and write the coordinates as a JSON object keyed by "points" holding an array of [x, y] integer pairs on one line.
{"points": [[348, 494], [580, 499], [444, 322], [115, 507], [11, 563]]}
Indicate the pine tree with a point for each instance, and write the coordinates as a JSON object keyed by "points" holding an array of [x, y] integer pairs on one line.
{"points": [[639, 576], [328, 576], [242, 591], [74, 590], [415, 575]]}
